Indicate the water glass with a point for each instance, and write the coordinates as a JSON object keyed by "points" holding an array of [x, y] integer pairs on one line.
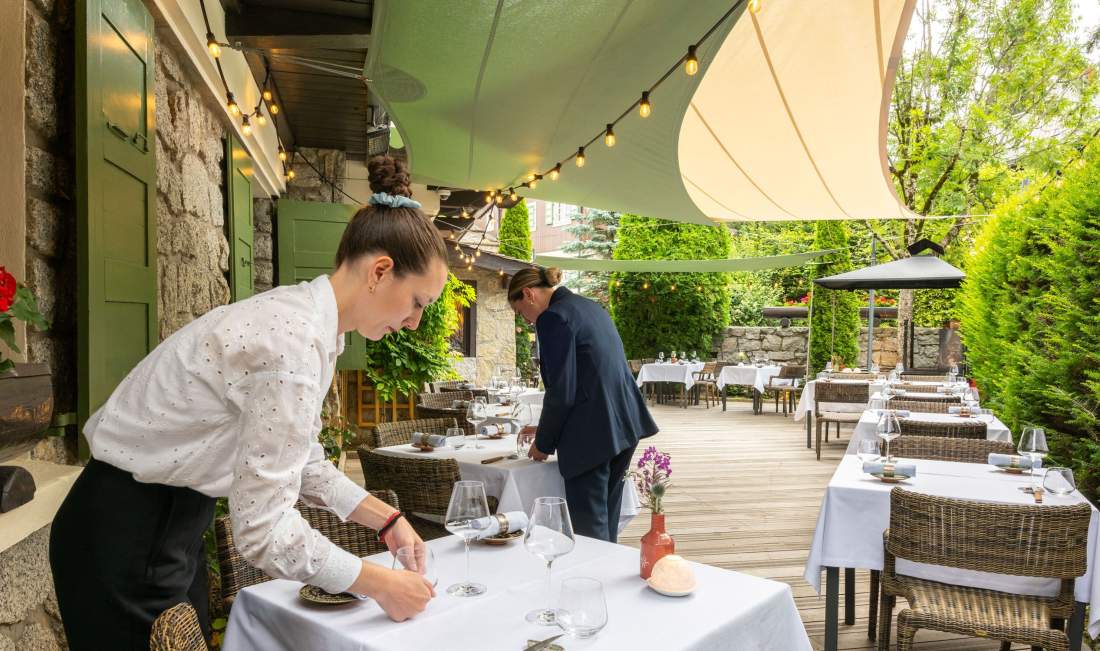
{"points": [[520, 418], [417, 558], [467, 504], [1059, 481], [1033, 445], [661, 357], [867, 450], [549, 535], [456, 438], [888, 429], [476, 413], [583, 607]]}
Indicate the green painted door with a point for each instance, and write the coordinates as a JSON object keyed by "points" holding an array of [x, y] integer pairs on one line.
{"points": [[238, 185], [116, 195], [309, 233]]}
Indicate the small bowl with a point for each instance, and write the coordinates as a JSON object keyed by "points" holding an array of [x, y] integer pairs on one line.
{"points": [[315, 595], [503, 538], [896, 478]]}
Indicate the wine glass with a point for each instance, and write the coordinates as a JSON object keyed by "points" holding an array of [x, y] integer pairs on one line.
{"points": [[417, 558], [1033, 445], [661, 357], [476, 413], [695, 356], [583, 607], [456, 438], [467, 504], [520, 418], [888, 429], [867, 450], [549, 535], [954, 372]]}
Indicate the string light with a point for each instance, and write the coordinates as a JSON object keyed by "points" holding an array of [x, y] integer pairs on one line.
{"points": [[246, 126], [231, 104], [672, 288], [556, 172], [691, 62], [535, 181], [609, 136], [501, 272], [282, 154], [260, 119], [499, 199], [267, 95], [489, 197], [465, 214], [531, 177], [477, 253], [514, 196], [644, 107], [580, 157], [274, 108], [213, 45], [754, 6], [645, 285], [290, 175]]}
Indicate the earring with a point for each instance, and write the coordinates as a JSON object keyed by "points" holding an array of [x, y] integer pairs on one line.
{"points": [[372, 289]]}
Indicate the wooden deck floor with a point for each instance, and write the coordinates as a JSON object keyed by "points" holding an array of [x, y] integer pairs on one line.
{"points": [[746, 496]]}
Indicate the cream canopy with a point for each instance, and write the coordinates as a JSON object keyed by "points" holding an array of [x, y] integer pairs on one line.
{"points": [[785, 121]]}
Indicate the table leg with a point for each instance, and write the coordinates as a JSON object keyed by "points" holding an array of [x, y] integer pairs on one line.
{"points": [[809, 431], [832, 581], [1076, 626], [849, 596]]}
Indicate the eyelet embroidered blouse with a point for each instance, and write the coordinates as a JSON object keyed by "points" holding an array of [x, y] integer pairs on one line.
{"points": [[230, 405]]}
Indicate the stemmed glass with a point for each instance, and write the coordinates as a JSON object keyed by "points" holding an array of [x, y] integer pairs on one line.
{"points": [[467, 504], [549, 535], [519, 418], [954, 372], [888, 429], [1033, 445], [476, 413], [661, 357]]}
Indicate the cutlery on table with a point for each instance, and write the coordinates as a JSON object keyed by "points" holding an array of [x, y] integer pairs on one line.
{"points": [[544, 644], [492, 460]]}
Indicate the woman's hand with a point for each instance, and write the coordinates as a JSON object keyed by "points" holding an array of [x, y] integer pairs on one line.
{"points": [[401, 534], [401, 594]]}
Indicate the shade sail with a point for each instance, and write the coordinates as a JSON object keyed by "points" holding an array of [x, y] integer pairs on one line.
{"points": [[679, 266], [916, 272], [786, 119]]}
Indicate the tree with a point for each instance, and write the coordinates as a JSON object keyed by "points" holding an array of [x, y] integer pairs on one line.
{"points": [[661, 311], [834, 322], [594, 237], [987, 93], [515, 242]]}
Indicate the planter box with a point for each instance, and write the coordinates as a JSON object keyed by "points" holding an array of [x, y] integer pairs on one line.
{"points": [[26, 407]]}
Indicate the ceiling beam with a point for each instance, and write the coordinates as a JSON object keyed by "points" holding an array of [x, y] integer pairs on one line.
{"points": [[271, 28]]}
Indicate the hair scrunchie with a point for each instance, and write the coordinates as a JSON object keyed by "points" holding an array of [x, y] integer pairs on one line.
{"points": [[392, 200]]}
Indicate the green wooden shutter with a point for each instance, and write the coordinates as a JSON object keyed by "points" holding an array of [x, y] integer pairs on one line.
{"points": [[116, 195], [238, 185], [309, 233]]}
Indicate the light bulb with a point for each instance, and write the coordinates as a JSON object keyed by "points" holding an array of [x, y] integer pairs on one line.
{"points": [[580, 157], [470, 267], [231, 104], [673, 288], [274, 108], [645, 285], [754, 6], [535, 181], [246, 126], [282, 154], [290, 174], [501, 271], [465, 214], [556, 172], [477, 253], [532, 176], [609, 136], [644, 107], [488, 197], [499, 199], [452, 235], [691, 63], [213, 46], [267, 95], [514, 196], [260, 119]]}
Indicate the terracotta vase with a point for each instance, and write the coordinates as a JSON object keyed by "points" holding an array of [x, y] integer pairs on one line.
{"points": [[656, 544]]}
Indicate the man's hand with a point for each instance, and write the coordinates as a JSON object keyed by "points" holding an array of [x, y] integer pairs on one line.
{"points": [[537, 454], [527, 434], [402, 534]]}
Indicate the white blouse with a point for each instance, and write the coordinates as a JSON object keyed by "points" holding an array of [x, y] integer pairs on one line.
{"points": [[230, 405]]}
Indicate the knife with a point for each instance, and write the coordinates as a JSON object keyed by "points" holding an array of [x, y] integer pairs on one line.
{"points": [[545, 644], [492, 460]]}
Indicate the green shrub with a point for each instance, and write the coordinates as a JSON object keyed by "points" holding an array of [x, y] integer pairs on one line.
{"points": [[658, 312], [834, 326], [515, 241]]}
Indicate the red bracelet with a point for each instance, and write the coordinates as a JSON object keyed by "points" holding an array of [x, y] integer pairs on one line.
{"points": [[388, 524]]}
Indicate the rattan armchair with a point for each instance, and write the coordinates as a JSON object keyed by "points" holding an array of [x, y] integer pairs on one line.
{"points": [[932, 397], [438, 405], [971, 429], [237, 573], [1046, 541], [939, 448], [917, 377], [919, 406], [177, 629], [383, 435], [918, 388], [852, 376], [836, 392], [786, 385]]}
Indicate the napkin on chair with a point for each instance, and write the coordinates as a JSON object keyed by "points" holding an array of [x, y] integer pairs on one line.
{"points": [[872, 467], [434, 440], [1012, 461], [490, 526]]}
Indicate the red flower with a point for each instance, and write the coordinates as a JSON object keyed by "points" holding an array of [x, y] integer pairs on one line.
{"points": [[7, 289]]}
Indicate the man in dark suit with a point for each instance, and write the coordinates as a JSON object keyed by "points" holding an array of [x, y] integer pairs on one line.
{"points": [[593, 414]]}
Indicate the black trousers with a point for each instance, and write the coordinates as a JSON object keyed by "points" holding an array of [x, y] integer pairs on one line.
{"points": [[595, 498], [122, 552]]}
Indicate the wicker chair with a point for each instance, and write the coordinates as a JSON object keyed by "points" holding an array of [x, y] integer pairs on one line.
{"points": [[932, 397], [939, 448], [974, 429], [177, 629], [448, 385], [383, 435], [919, 406], [438, 405], [853, 376], [836, 392], [237, 573], [788, 385], [706, 382], [1047, 541], [918, 388], [635, 366], [916, 377], [422, 485]]}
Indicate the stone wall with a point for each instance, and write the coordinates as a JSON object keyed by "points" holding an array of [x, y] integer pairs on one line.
{"points": [[788, 345], [496, 327], [263, 244], [193, 252], [29, 619], [308, 186]]}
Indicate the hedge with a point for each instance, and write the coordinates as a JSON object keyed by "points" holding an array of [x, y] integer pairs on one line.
{"points": [[834, 326]]}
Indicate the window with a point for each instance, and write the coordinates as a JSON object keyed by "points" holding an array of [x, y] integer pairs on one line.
{"points": [[560, 214], [464, 339], [532, 214]]}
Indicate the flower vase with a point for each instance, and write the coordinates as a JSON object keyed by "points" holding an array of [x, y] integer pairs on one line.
{"points": [[656, 544]]}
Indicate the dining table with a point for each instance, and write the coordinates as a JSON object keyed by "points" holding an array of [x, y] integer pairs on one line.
{"points": [[747, 375], [514, 482], [727, 610], [855, 511], [866, 428]]}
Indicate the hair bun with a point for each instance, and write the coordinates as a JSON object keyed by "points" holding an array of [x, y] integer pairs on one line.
{"points": [[387, 174], [552, 276]]}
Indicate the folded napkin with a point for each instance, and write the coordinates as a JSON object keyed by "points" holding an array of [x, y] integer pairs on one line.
{"points": [[873, 467], [956, 410], [1012, 461], [434, 440], [490, 526], [460, 404], [494, 429], [900, 413]]}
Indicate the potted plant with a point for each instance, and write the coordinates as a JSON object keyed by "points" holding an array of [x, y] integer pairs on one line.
{"points": [[652, 477], [26, 393]]}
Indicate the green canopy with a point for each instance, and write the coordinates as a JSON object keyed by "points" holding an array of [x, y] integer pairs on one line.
{"points": [[680, 266]]}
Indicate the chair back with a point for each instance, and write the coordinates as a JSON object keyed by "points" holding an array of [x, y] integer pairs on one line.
{"points": [[635, 366], [443, 399], [383, 435], [905, 377], [792, 372], [920, 406], [939, 448], [422, 485], [972, 429], [448, 385], [840, 392], [1048, 541], [708, 370], [917, 388], [932, 397], [177, 629], [853, 376], [350, 536]]}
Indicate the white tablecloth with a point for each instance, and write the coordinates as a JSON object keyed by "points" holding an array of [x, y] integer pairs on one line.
{"points": [[729, 610], [749, 376], [995, 430], [856, 510], [514, 482], [806, 402], [681, 373]]}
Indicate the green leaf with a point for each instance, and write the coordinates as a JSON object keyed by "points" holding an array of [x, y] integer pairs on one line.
{"points": [[25, 308], [7, 333]]}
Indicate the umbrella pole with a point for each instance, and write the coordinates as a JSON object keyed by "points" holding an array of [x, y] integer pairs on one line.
{"points": [[871, 314]]}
